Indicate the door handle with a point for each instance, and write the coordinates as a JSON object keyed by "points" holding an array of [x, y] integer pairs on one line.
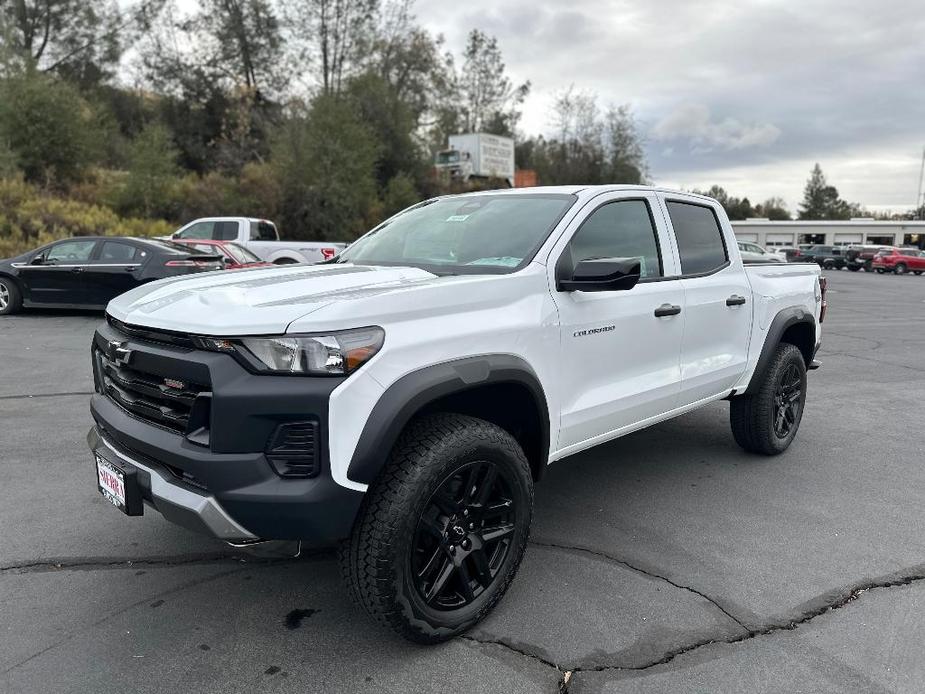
{"points": [[735, 300], [77, 269], [667, 310]]}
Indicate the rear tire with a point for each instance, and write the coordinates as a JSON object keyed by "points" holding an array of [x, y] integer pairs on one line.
{"points": [[10, 297], [443, 528], [285, 261], [767, 421], [916, 272], [901, 269]]}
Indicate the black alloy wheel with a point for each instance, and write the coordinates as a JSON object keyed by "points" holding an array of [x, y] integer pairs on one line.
{"points": [[788, 401], [442, 529], [463, 536]]}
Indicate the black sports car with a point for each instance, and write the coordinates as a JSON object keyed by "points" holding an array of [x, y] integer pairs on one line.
{"points": [[87, 271]]}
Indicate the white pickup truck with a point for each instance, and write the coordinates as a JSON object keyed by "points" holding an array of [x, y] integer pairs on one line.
{"points": [[402, 400], [260, 237]]}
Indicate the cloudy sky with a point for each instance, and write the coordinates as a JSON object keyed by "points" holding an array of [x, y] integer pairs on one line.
{"points": [[744, 93]]}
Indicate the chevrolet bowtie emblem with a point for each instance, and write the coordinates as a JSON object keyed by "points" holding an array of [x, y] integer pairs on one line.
{"points": [[119, 352]]}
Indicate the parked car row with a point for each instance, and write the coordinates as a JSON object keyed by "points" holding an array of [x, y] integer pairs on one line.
{"points": [[87, 272], [871, 258]]}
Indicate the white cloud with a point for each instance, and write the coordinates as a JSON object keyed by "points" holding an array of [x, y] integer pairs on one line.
{"points": [[694, 123]]}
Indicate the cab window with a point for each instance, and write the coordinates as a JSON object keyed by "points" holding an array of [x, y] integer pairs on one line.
{"points": [[620, 229], [700, 240]]}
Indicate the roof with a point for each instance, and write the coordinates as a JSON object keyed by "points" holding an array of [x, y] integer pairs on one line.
{"points": [[595, 189]]}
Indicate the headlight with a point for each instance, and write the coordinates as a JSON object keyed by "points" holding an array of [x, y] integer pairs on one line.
{"points": [[336, 354]]}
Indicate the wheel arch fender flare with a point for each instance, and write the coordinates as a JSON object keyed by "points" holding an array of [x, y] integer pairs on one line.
{"points": [[784, 321], [414, 392]]}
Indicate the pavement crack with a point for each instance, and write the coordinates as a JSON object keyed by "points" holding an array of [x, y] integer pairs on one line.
{"points": [[108, 563], [639, 569], [835, 600]]}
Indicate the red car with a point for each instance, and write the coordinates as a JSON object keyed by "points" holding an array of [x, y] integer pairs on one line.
{"points": [[236, 257], [899, 260]]}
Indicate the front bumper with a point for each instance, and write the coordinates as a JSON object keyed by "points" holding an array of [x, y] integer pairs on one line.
{"points": [[223, 483], [192, 509]]}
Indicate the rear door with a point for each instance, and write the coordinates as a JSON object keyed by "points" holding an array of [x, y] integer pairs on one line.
{"points": [[619, 359], [114, 269], [57, 276], [718, 311]]}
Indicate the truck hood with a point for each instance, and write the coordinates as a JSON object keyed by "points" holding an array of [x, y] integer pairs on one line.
{"points": [[256, 302]]}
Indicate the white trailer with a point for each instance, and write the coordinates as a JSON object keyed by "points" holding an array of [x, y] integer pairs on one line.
{"points": [[478, 155]]}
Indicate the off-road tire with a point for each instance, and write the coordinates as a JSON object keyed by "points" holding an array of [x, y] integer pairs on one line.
{"points": [[13, 297], [376, 560], [752, 417]]}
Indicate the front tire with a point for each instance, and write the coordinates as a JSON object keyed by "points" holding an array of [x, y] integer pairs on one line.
{"points": [[10, 297], [443, 528], [767, 421]]}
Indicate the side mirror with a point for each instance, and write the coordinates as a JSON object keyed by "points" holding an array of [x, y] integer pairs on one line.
{"points": [[601, 275], [38, 260]]}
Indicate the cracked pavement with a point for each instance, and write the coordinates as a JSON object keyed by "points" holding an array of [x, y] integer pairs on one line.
{"points": [[666, 561]]}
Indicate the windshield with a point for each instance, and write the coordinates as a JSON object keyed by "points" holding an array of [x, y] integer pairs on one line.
{"points": [[472, 234], [450, 157]]}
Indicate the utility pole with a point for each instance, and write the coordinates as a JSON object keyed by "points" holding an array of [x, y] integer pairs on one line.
{"points": [[919, 202]]}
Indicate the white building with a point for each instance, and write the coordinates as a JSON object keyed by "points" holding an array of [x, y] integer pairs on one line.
{"points": [[831, 233]]}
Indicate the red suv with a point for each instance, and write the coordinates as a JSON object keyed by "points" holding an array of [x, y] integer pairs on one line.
{"points": [[899, 260]]}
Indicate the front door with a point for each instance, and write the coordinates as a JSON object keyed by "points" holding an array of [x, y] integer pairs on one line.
{"points": [[620, 361], [112, 271], [55, 276], [719, 303]]}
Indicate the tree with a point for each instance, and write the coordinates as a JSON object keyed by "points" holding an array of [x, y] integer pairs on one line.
{"points": [[324, 162], [78, 39], [490, 101], [329, 35], [774, 209], [821, 201], [586, 147], [49, 127], [220, 70], [152, 174], [626, 160], [391, 122]]}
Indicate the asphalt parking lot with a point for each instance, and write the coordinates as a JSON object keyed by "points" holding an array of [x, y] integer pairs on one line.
{"points": [[666, 561]]}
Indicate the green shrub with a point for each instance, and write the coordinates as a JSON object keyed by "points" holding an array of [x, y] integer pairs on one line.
{"points": [[30, 218]]}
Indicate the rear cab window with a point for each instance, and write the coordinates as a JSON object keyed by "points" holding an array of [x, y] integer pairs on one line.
{"points": [[263, 231], [701, 244]]}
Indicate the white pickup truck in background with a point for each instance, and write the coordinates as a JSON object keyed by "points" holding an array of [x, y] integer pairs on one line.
{"points": [[261, 238]]}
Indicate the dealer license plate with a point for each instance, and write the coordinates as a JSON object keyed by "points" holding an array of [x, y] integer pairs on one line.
{"points": [[111, 483]]}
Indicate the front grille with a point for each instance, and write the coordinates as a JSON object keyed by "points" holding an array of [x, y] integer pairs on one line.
{"points": [[149, 335], [162, 401]]}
